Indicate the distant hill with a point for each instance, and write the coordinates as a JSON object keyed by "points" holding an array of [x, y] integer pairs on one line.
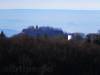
{"points": [[42, 31]]}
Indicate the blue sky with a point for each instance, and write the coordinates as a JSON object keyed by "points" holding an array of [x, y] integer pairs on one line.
{"points": [[69, 20], [69, 15], [50, 4]]}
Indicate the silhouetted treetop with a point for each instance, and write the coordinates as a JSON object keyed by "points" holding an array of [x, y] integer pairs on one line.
{"points": [[2, 35]]}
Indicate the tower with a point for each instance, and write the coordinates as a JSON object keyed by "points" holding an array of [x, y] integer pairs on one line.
{"points": [[36, 27]]}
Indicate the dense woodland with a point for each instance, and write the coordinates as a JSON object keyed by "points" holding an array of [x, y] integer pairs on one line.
{"points": [[49, 56]]}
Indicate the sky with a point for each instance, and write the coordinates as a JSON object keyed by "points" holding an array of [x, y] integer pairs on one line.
{"points": [[68, 15], [50, 4]]}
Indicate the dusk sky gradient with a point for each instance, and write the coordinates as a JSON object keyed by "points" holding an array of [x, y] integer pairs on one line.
{"points": [[69, 15]]}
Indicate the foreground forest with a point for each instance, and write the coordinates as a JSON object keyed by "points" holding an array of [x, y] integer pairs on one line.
{"points": [[48, 56]]}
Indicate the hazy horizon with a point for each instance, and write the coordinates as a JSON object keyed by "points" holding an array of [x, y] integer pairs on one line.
{"points": [[86, 21]]}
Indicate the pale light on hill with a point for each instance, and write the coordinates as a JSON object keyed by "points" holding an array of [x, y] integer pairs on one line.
{"points": [[69, 37]]}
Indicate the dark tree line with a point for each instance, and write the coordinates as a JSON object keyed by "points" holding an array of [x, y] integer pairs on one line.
{"points": [[48, 56]]}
